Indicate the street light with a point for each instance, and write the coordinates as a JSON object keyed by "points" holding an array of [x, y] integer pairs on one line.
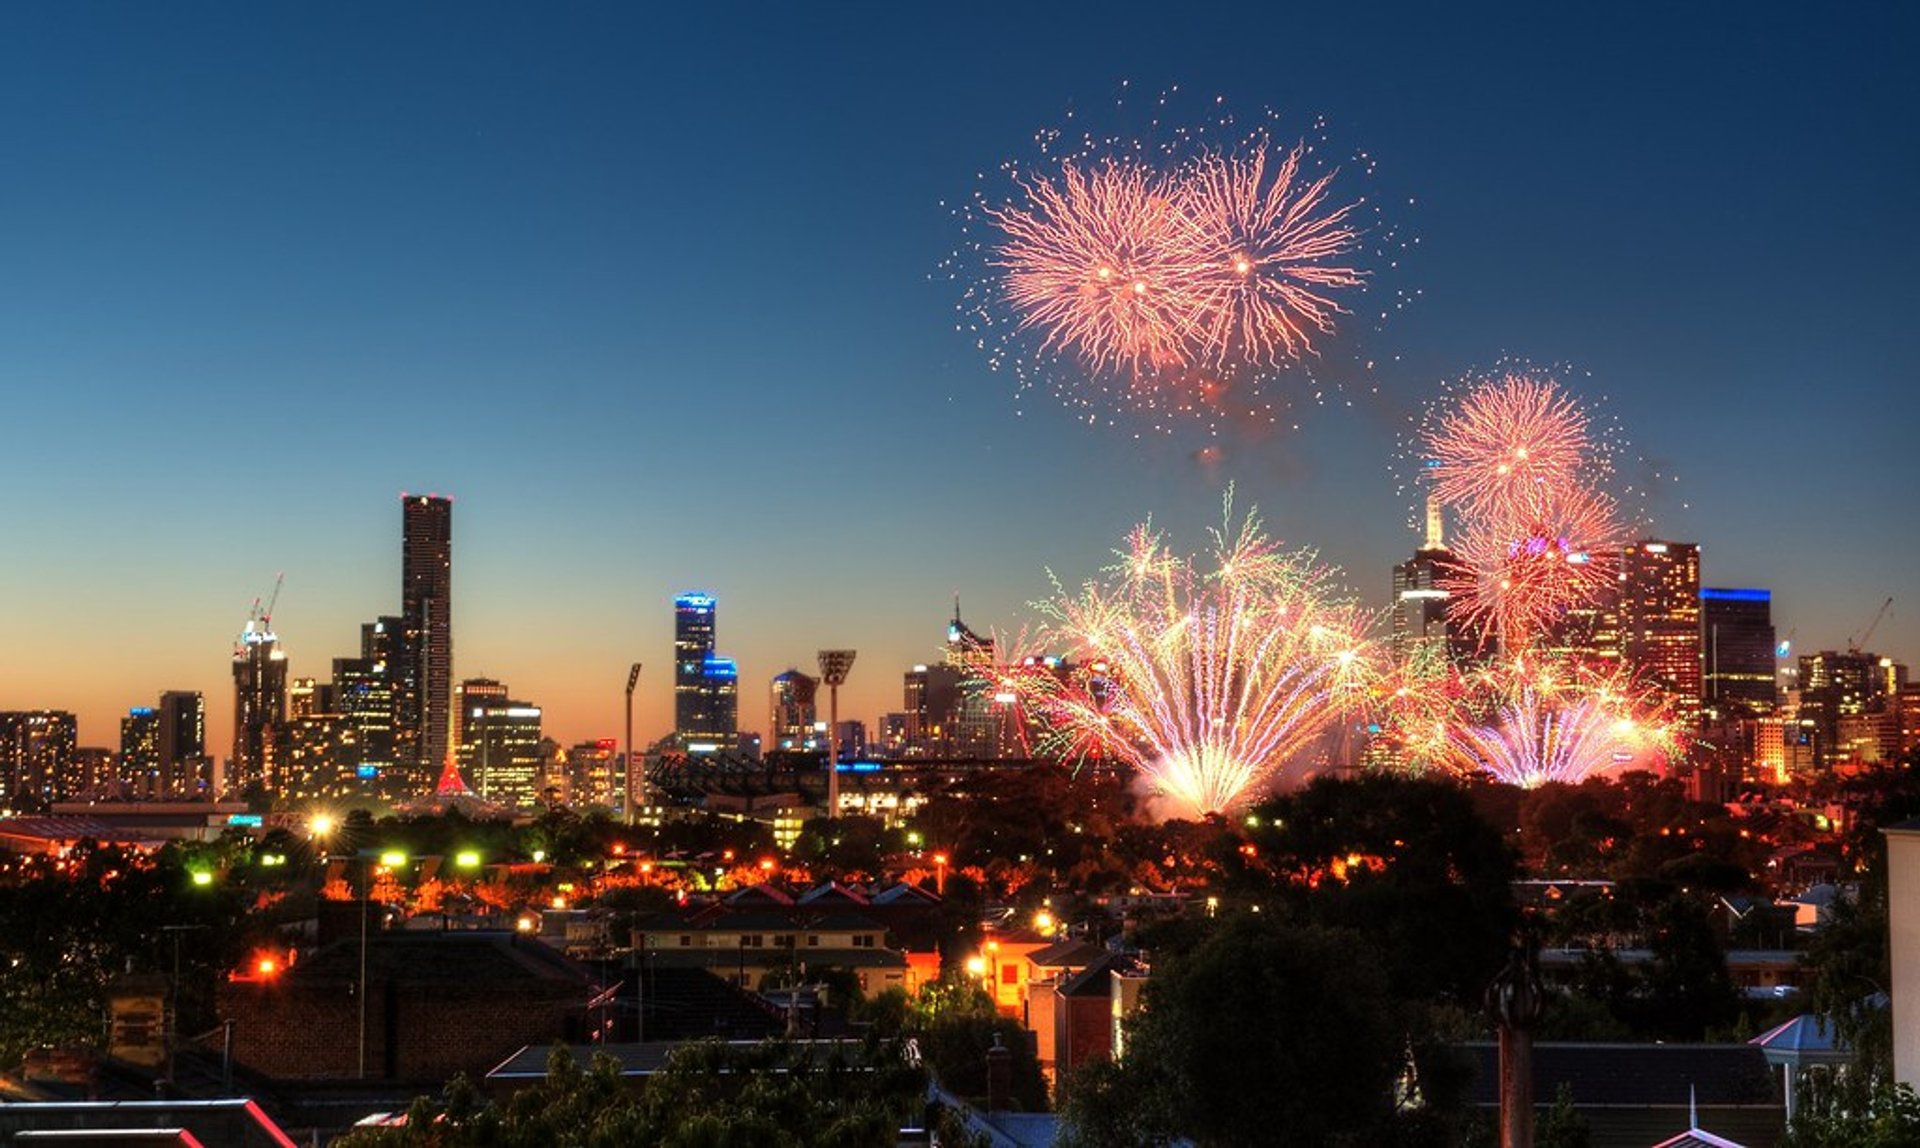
{"points": [[834, 667], [390, 859]]}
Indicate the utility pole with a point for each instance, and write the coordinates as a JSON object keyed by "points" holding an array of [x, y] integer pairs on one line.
{"points": [[636, 795]]}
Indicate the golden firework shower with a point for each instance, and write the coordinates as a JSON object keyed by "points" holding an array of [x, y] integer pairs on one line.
{"points": [[1206, 677]]}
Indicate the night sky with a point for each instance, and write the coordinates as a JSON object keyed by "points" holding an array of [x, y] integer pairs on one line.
{"points": [[653, 292]]}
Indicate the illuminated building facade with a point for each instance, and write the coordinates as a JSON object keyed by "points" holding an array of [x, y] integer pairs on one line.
{"points": [[593, 770], [363, 697], [1659, 618], [423, 689], [140, 750], [791, 710], [504, 739], [36, 757], [1850, 699], [474, 693], [259, 708], [1419, 618], [1737, 643], [706, 687]]}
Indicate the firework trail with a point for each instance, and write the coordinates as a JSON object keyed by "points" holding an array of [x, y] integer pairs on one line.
{"points": [[1206, 680]]}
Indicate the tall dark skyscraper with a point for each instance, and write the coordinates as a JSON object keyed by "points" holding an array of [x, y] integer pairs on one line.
{"points": [[140, 751], [1736, 638], [185, 771], [705, 686], [36, 756], [791, 711], [259, 706], [424, 685]]}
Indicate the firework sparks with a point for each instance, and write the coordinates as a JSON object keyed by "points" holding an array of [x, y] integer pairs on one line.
{"points": [[1268, 251], [1508, 447], [1567, 732], [1514, 579], [1207, 681], [1095, 262], [1178, 278]]}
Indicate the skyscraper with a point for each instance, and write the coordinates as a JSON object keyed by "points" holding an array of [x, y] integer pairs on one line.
{"points": [[140, 751], [1659, 613], [791, 710], [706, 702], [1736, 631], [185, 771], [1420, 623], [503, 743], [259, 706], [424, 684], [36, 755]]}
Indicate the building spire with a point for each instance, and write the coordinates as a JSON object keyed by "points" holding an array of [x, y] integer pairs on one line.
{"points": [[1436, 534]]}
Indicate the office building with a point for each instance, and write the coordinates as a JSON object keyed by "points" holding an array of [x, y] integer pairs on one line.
{"points": [[706, 702], [363, 698], [423, 689], [504, 741], [1420, 625], [1737, 643], [259, 708], [473, 694], [186, 772], [1659, 619], [791, 711]]}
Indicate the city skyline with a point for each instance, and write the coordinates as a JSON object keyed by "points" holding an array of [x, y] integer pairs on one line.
{"points": [[536, 251]]}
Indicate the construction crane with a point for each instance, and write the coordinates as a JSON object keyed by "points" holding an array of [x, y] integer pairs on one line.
{"points": [[1854, 647]]}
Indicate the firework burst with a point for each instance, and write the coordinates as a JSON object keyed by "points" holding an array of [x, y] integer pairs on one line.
{"points": [[1172, 279], [1509, 447], [1206, 680], [1563, 724]]}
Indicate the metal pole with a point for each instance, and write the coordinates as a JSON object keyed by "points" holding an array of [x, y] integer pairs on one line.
{"points": [[366, 879], [635, 797], [834, 666]]}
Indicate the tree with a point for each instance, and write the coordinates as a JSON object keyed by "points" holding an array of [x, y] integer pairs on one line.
{"points": [[1406, 861], [1266, 1033], [709, 1094], [1854, 1109]]}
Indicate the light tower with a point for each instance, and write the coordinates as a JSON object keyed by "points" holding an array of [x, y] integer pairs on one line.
{"points": [[834, 665], [636, 782]]}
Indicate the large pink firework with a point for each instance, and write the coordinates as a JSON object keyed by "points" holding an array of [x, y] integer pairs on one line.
{"points": [[1097, 262], [1177, 278], [1507, 446], [1270, 252], [1516, 577]]}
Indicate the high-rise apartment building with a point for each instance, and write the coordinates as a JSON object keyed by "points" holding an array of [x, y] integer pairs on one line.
{"points": [[36, 758], [1659, 618], [706, 702], [1736, 642], [363, 690], [186, 773], [259, 707], [423, 688], [140, 751], [1849, 701], [791, 710]]}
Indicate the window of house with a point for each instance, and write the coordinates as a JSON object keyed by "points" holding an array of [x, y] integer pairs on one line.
{"points": [[813, 940], [863, 940], [686, 942], [1009, 974], [753, 940]]}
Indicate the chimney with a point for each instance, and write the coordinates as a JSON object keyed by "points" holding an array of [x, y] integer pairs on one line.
{"points": [[999, 1076]]}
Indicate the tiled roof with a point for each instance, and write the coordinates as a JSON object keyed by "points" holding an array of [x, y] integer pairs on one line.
{"points": [[1635, 1074]]}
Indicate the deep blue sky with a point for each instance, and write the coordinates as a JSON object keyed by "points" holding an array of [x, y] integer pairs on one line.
{"points": [[649, 290]]}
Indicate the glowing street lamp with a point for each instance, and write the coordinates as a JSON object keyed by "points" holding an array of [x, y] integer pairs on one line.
{"points": [[467, 859], [940, 873]]}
